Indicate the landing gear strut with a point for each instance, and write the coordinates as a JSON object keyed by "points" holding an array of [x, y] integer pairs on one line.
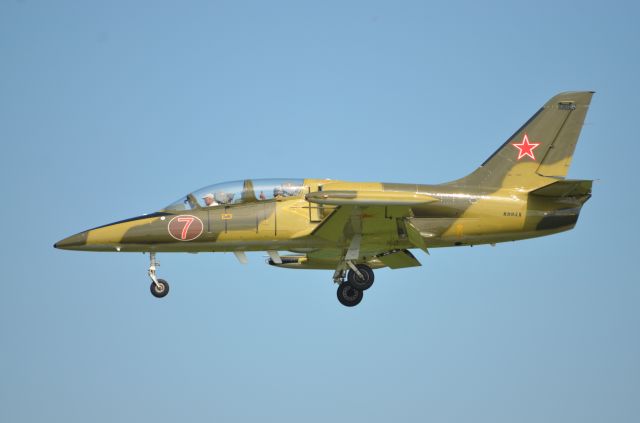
{"points": [[159, 287]]}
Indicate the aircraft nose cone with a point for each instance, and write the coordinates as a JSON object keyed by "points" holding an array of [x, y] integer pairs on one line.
{"points": [[72, 242]]}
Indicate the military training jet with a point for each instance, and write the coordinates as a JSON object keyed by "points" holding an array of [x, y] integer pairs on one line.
{"points": [[519, 192]]}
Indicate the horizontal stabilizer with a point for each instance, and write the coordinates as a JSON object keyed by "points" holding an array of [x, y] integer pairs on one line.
{"points": [[368, 198], [399, 259], [565, 188]]}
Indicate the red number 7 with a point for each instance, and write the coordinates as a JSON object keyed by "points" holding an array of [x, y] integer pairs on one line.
{"points": [[187, 222]]}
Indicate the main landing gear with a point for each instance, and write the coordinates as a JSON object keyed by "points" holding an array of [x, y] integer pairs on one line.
{"points": [[359, 279], [159, 287], [352, 279]]}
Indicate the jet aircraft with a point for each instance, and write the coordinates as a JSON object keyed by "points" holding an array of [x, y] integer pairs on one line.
{"points": [[352, 228]]}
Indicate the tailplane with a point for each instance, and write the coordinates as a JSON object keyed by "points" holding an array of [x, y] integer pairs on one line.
{"points": [[542, 148]]}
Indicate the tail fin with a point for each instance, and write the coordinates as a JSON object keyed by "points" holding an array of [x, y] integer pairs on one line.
{"points": [[542, 147]]}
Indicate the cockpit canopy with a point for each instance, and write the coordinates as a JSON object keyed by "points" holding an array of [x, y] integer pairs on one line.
{"points": [[237, 192]]}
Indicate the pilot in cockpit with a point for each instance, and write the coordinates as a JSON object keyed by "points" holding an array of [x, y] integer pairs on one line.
{"points": [[289, 190], [209, 201]]}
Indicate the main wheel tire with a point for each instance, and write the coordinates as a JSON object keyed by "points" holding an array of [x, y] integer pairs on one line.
{"points": [[348, 295], [357, 282], [160, 290]]}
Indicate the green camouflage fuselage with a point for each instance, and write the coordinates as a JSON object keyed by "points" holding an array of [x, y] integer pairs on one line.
{"points": [[458, 217], [518, 192]]}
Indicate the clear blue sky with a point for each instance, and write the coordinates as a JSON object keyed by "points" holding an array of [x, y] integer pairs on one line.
{"points": [[113, 109]]}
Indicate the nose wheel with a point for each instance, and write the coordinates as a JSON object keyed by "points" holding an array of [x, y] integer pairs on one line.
{"points": [[159, 287]]}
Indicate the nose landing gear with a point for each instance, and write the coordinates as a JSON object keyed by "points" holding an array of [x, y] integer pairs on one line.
{"points": [[159, 287]]}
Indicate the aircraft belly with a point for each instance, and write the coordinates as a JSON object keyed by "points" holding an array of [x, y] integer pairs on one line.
{"points": [[432, 226], [468, 229]]}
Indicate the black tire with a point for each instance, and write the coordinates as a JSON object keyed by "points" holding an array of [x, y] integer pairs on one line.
{"points": [[361, 283], [160, 291], [348, 295]]}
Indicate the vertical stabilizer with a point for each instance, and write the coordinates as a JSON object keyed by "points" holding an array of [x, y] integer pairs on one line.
{"points": [[543, 147]]}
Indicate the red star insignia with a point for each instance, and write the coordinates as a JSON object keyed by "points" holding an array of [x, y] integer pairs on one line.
{"points": [[526, 147]]}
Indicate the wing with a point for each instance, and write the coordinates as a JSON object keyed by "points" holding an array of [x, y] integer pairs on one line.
{"points": [[364, 221]]}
